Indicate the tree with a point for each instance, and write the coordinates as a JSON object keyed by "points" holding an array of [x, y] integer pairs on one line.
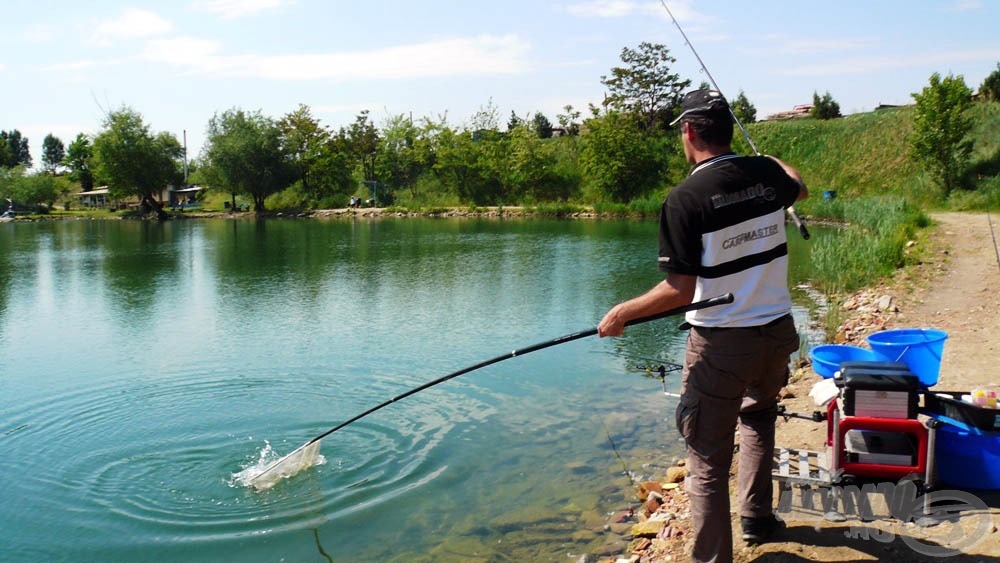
{"points": [[941, 129], [825, 107], [990, 89], [244, 155], [363, 143], [568, 121], [53, 152], [645, 86], [542, 126], [514, 122], [530, 171], [619, 160], [743, 109], [33, 190], [136, 162], [320, 166], [405, 154], [462, 163], [78, 159], [17, 152]]}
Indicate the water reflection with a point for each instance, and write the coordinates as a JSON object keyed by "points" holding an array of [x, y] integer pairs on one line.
{"points": [[149, 362]]}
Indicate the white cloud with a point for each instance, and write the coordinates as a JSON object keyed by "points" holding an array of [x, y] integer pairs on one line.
{"points": [[808, 46], [181, 51], [868, 65], [85, 64], [603, 8], [482, 55], [132, 23], [231, 9], [38, 33], [344, 108], [966, 5], [682, 10]]}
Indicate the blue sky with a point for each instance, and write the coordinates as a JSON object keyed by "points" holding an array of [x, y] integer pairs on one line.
{"points": [[64, 64]]}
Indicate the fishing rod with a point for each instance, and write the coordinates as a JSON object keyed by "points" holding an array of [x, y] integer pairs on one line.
{"points": [[790, 209], [306, 454]]}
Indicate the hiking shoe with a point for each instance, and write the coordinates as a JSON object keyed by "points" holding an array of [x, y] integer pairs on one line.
{"points": [[758, 530]]}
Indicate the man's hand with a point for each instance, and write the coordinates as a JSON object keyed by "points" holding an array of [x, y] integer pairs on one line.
{"points": [[675, 291], [612, 324]]}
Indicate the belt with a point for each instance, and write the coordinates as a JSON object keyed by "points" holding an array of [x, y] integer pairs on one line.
{"points": [[686, 325]]}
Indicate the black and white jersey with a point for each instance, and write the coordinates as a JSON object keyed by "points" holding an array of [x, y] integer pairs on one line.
{"points": [[725, 224]]}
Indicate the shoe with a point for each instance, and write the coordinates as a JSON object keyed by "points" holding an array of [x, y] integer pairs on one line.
{"points": [[758, 530]]}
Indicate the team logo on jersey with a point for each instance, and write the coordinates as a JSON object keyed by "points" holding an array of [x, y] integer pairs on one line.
{"points": [[759, 191], [748, 236]]}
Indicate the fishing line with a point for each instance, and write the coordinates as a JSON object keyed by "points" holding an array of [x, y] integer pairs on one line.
{"points": [[614, 448], [746, 135], [992, 234]]}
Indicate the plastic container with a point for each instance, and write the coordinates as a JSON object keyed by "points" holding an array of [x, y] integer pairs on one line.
{"points": [[966, 458], [919, 348], [950, 404], [826, 358]]}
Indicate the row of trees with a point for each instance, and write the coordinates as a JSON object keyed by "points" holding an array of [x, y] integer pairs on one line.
{"points": [[621, 152]]}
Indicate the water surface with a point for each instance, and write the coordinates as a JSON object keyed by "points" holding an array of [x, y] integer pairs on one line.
{"points": [[146, 364]]}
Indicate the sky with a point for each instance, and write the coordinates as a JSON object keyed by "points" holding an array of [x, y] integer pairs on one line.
{"points": [[64, 63]]}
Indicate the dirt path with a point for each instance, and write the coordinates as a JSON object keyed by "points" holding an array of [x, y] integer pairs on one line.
{"points": [[963, 299], [957, 289]]}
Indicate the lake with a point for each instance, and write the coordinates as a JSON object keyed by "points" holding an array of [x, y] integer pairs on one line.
{"points": [[145, 364]]}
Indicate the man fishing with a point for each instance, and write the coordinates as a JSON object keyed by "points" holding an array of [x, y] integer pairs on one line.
{"points": [[722, 230]]}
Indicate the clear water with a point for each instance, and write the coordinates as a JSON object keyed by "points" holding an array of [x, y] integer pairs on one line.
{"points": [[146, 364]]}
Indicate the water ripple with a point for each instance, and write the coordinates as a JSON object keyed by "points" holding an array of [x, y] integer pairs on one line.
{"points": [[154, 460]]}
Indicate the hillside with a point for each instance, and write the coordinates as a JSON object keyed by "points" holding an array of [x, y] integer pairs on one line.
{"points": [[868, 154]]}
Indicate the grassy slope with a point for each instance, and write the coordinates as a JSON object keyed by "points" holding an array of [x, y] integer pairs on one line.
{"points": [[868, 154]]}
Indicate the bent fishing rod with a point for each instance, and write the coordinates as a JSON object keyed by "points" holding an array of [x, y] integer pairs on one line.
{"points": [[720, 300], [790, 209]]}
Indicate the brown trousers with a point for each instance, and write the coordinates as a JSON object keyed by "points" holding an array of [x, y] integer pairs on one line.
{"points": [[730, 375]]}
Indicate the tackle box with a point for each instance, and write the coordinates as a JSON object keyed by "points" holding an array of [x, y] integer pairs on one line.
{"points": [[878, 390], [950, 404]]}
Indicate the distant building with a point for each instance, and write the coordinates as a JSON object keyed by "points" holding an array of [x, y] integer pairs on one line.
{"points": [[96, 198], [801, 110]]}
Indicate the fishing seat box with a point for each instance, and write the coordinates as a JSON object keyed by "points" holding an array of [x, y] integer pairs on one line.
{"points": [[878, 390]]}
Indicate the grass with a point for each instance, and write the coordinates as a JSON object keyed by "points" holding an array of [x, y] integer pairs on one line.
{"points": [[871, 247]]}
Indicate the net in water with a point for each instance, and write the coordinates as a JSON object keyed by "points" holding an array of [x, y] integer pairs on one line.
{"points": [[264, 475]]}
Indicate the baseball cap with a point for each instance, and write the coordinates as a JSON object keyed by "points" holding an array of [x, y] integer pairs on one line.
{"points": [[701, 102]]}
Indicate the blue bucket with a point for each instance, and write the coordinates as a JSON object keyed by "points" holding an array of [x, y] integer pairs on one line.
{"points": [[919, 348], [826, 358]]}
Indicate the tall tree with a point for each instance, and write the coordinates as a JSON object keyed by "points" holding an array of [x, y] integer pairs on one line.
{"points": [[941, 129], [363, 139], [825, 107], [135, 161], [569, 120], [542, 126], [53, 152], [619, 160], [405, 155], [17, 152], [743, 109], [78, 159], [304, 141], [244, 155], [645, 86], [990, 88]]}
